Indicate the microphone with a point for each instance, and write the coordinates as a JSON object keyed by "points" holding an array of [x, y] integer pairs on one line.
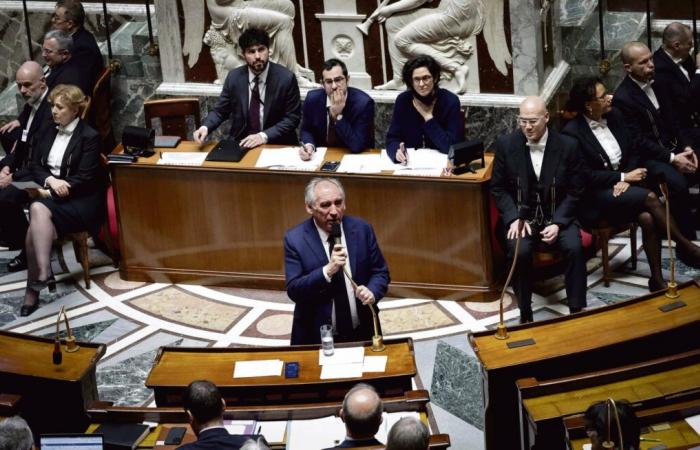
{"points": [[672, 290], [523, 214], [377, 339], [610, 405]]}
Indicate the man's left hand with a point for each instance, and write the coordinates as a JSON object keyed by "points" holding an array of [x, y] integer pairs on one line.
{"points": [[252, 141], [337, 98], [364, 295], [550, 233]]}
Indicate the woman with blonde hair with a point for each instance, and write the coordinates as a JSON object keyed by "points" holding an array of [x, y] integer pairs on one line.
{"points": [[65, 162]]}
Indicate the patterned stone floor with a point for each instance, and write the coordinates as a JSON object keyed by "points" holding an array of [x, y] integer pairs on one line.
{"points": [[135, 319]]}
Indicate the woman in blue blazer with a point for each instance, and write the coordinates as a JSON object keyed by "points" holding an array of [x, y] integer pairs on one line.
{"points": [[616, 191], [65, 162]]}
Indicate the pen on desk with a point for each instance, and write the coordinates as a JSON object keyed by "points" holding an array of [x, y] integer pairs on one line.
{"points": [[259, 429], [649, 439]]}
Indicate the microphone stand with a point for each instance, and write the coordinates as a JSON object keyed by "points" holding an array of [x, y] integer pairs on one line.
{"points": [[57, 355], [672, 291], [71, 344], [501, 332], [377, 339]]}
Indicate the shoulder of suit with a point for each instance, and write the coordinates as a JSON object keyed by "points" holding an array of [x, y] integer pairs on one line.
{"points": [[449, 95], [359, 94], [567, 140]]}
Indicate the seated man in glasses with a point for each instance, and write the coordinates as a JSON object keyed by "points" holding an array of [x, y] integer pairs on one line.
{"points": [[337, 115], [538, 175]]}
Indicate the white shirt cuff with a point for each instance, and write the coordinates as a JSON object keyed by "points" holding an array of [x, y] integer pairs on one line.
{"points": [[622, 176], [673, 155], [325, 274], [264, 137]]}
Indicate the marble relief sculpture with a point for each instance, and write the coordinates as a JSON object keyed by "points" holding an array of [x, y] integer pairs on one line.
{"points": [[442, 33], [229, 18]]}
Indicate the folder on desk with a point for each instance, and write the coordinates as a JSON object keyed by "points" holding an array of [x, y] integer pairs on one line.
{"points": [[122, 435], [227, 150]]}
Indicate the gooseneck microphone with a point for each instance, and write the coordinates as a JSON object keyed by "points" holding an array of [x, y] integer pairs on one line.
{"points": [[57, 354], [672, 290]]}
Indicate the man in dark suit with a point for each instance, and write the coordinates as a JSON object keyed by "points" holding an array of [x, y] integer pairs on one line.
{"points": [[362, 413], [337, 115], [679, 73], [69, 16], [542, 170], [61, 68], [651, 120], [315, 269], [205, 409], [261, 98], [15, 137]]}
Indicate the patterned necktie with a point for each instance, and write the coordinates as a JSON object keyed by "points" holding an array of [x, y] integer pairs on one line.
{"points": [[331, 139], [343, 318], [254, 111]]}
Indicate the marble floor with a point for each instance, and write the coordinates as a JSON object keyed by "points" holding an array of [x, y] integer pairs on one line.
{"points": [[135, 319]]}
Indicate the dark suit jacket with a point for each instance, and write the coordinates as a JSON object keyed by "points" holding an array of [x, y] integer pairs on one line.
{"points": [[216, 438], [71, 72], [683, 94], [352, 443], [281, 105], [355, 129], [601, 173], [87, 54], [409, 127], [562, 166], [304, 258], [653, 132], [17, 158]]}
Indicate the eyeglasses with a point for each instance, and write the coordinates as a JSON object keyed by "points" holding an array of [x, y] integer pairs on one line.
{"points": [[425, 79], [336, 80], [48, 51], [524, 121]]}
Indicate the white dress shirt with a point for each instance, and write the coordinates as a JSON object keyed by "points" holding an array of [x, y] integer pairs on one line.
{"points": [[262, 83], [678, 61], [648, 91], [348, 286], [58, 149], [607, 140], [537, 153]]}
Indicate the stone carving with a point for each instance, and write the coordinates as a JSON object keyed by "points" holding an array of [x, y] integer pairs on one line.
{"points": [[343, 46], [229, 18], [442, 33]]}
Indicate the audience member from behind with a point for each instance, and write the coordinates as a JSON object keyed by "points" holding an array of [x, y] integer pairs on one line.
{"points": [[598, 423], [15, 434], [61, 68], [426, 115], [337, 115], [252, 444], [362, 414], [408, 433], [69, 16], [205, 411]]}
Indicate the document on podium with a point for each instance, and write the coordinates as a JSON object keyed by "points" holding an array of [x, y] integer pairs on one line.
{"points": [[363, 163], [182, 158], [287, 158], [263, 368], [342, 355]]}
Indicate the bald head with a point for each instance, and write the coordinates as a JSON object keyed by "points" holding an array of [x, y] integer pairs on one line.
{"points": [[30, 81], [533, 118], [638, 61], [678, 40], [362, 412]]}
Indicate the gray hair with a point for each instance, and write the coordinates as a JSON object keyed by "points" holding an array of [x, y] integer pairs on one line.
{"points": [[63, 39], [362, 421], [627, 49], [15, 434], [408, 434], [674, 31], [310, 190], [252, 444]]}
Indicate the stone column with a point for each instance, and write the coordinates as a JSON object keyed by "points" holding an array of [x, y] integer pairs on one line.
{"points": [[342, 39], [526, 38], [169, 42]]}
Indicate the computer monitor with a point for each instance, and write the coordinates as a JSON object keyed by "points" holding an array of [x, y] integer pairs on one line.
{"points": [[71, 441]]}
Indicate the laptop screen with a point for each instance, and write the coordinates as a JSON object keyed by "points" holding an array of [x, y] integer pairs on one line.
{"points": [[71, 441]]}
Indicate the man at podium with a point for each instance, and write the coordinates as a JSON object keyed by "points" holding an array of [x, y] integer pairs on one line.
{"points": [[332, 278]]}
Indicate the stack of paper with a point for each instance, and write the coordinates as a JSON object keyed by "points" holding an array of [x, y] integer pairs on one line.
{"points": [[361, 164], [262, 368], [240, 426], [287, 158], [182, 158], [349, 362], [422, 162]]}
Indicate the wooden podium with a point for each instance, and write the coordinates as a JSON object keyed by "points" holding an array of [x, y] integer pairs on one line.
{"points": [[176, 367], [53, 397], [626, 333]]}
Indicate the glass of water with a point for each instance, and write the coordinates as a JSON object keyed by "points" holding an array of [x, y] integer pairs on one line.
{"points": [[327, 339]]}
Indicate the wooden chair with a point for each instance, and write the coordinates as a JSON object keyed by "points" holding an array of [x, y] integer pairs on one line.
{"points": [[80, 247], [603, 232], [97, 113], [173, 113]]}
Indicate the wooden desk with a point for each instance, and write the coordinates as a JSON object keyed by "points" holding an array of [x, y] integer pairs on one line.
{"points": [[546, 403], [176, 367], [223, 223], [53, 397], [625, 333]]}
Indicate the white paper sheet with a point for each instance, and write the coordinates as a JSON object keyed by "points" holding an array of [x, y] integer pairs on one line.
{"points": [[333, 371], [325, 432], [360, 164], [274, 430], [374, 364], [694, 422], [345, 355], [262, 368], [418, 172], [240, 426], [182, 158], [426, 158], [389, 419], [287, 158]]}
